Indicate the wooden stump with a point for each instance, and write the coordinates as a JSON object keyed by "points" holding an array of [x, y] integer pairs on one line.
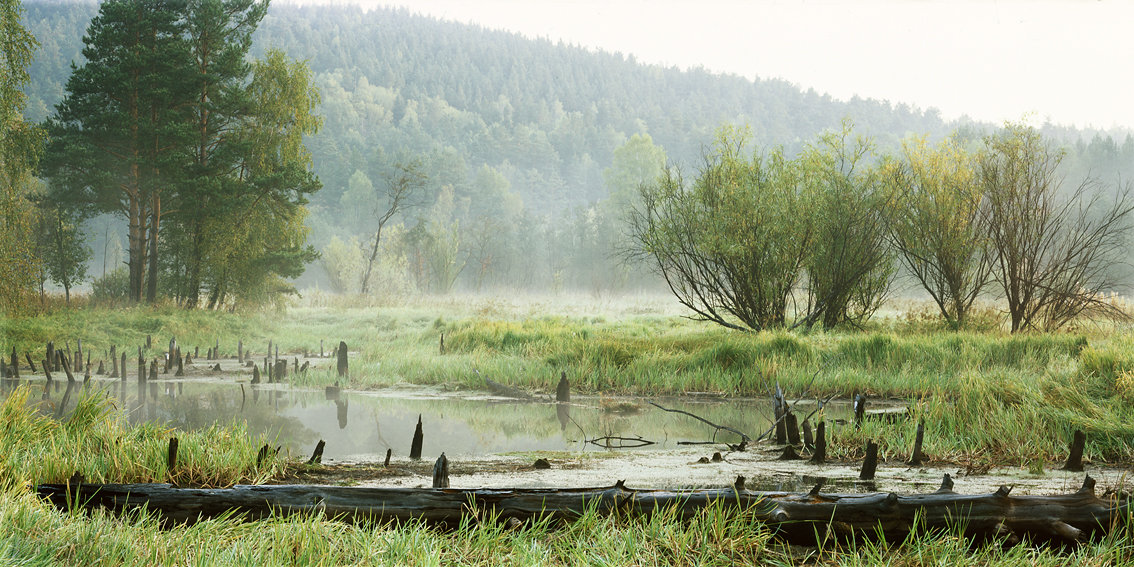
{"points": [[791, 422], [916, 457], [418, 437], [819, 455], [171, 456], [563, 389], [1075, 459], [317, 456], [870, 463], [441, 472], [343, 365]]}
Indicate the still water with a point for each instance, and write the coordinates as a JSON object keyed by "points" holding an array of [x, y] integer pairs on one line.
{"points": [[362, 425]]}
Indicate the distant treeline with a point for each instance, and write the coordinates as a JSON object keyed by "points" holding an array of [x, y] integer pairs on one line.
{"points": [[517, 140]]}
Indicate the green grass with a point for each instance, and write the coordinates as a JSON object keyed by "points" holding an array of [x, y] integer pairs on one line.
{"points": [[985, 397], [35, 534], [96, 442]]}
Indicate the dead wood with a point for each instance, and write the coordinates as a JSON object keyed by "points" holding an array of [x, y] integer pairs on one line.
{"points": [[796, 516], [742, 435]]}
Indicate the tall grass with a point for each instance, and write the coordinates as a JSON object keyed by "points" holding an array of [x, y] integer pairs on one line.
{"points": [[96, 442], [35, 534]]}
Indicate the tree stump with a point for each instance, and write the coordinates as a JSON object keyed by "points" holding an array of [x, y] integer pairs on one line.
{"points": [[819, 455], [916, 457], [317, 456], [1075, 459], [563, 389], [870, 463], [418, 437], [344, 371], [441, 472]]}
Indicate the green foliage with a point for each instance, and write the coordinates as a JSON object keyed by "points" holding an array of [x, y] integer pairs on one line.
{"points": [[935, 224], [62, 246], [20, 147], [734, 245], [113, 288], [849, 263]]}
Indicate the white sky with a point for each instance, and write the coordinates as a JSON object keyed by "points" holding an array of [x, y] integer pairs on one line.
{"points": [[1070, 62]]}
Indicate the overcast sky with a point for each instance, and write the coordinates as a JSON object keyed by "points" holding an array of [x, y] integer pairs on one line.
{"points": [[1071, 62]]}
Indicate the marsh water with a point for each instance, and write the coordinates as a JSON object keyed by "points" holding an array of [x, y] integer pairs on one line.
{"points": [[362, 425]]}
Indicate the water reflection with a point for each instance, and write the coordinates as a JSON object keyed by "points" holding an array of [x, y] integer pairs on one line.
{"points": [[363, 425]]}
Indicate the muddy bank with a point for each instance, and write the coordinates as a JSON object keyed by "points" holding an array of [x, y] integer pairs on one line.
{"points": [[681, 468]]}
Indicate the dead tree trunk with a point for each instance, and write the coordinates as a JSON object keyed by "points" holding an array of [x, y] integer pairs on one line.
{"points": [[807, 516], [343, 366]]}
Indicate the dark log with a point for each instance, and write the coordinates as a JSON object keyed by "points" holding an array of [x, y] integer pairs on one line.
{"points": [[441, 350], [240, 351], [141, 370], [317, 456], [153, 370], [51, 354], [114, 361], [321, 349], [280, 372], [819, 455], [916, 457], [15, 368], [47, 370], [27, 356], [123, 367], [418, 437], [389, 453], [180, 362], [563, 389], [149, 341], [870, 463], [101, 368], [441, 472], [171, 457], [791, 422], [808, 439], [1075, 459], [1065, 518], [344, 370], [255, 374]]}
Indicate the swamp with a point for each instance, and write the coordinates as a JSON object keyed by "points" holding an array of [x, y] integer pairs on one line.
{"points": [[656, 402]]}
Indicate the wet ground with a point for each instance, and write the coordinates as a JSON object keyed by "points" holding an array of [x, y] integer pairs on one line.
{"points": [[494, 441]]}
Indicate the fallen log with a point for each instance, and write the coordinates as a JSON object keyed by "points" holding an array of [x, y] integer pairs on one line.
{"points": [[796, 516]]}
